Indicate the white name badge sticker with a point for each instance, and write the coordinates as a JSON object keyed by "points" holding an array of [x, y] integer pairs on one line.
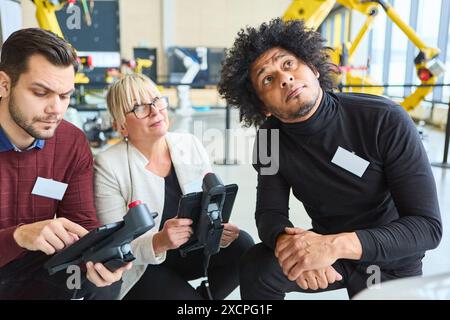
{"points": [[193, 186], [350, 162], [49, 188]]}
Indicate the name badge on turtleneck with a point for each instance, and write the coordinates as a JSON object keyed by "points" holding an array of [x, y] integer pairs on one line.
{"points": [[350, 162]]}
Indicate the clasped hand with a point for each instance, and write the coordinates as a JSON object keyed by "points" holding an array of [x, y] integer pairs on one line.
{"points": [[306, 257]]}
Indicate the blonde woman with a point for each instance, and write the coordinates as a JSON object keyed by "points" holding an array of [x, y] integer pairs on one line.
{"points": [[157, 167]]}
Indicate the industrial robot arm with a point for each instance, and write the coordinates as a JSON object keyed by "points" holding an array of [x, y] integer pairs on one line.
{"points": [[191, 65]]}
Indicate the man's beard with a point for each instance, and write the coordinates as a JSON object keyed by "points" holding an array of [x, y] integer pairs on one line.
{"points": [[303, 109], [28, 126]]}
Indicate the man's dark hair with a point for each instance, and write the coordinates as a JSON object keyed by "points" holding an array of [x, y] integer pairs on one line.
{"points": [[235, 84], [24, 43]]}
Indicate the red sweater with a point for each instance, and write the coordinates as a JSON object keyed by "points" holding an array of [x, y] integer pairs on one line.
{"points": [[65, 157]]}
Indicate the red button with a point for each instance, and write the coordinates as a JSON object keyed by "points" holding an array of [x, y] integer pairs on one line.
{"points": [[134, 204]]}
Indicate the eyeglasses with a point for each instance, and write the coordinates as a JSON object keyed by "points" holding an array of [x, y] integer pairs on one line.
{"points": [[158, 105]]}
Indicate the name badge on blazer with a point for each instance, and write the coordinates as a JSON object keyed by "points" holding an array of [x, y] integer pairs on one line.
{"points": [[350, 162], [193, 186], [49, 188]]}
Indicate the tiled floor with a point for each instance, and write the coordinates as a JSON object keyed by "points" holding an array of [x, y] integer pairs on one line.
{"points": [[209, 126]]}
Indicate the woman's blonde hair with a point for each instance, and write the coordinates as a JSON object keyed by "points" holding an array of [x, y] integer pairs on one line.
{"points": [[125, 93]]}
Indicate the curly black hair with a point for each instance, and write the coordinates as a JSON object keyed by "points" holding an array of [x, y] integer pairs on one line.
{"points": [[235, 85]]}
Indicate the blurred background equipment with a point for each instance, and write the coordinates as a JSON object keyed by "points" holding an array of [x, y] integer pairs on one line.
{"points": [[97, 131], [99, 39], [195, 65]]}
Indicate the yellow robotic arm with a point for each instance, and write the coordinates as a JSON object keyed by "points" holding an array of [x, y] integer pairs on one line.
{"points": [[142, 63], [46, 17], [313, 13], [427, 71]]}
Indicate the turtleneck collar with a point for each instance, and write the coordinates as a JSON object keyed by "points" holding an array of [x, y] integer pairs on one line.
{"points": [[326, 112]]}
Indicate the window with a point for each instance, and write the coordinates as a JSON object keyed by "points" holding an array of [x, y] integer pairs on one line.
{"points": [[397, 65], [446, 90], [378, 45]]}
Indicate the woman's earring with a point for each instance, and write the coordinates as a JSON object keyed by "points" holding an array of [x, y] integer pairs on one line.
{"points": [[126, 138]]}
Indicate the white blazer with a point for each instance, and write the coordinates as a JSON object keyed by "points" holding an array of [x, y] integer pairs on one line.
{"points": [[114, 188]]}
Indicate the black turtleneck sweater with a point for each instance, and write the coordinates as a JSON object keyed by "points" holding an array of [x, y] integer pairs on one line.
{"points": [[393, 207]]}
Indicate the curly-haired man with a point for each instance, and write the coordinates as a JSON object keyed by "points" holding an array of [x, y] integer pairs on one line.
{"points": [[355, 161]]}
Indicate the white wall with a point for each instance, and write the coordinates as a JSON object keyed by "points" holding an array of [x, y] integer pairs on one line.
{"points": [[216, 23], [140, 26], [28, 15]]}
